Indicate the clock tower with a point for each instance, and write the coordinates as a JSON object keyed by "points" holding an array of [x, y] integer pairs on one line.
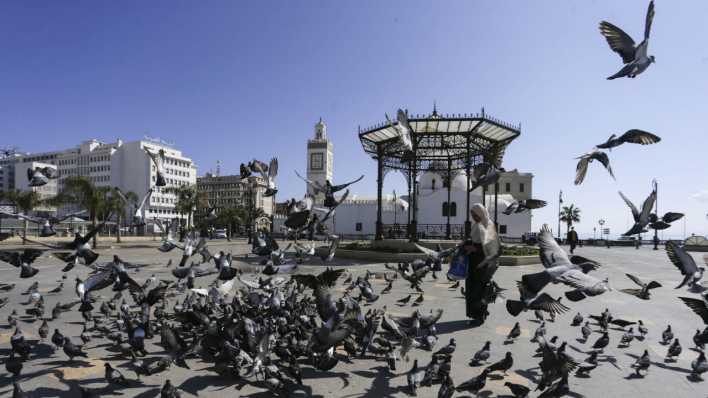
{"points": [[320, 158]]}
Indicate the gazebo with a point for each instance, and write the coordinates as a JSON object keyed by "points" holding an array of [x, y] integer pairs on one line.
{"points": [[441, 143]]}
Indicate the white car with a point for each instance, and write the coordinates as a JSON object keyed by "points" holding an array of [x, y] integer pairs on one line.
{"points": [[220, 234]]}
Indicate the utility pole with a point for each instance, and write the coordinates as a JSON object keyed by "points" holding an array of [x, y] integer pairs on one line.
{"points": [[560, 202], [656, 210]]}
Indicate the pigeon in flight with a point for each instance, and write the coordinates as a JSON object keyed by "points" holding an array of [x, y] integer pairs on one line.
{"points": [[582, 168], [327, 189], [634, 57], [665, 221], [158, 159], [139, 214], [644, 291], [268, 173], [641, 220], [633, 136], [22, 260], [699, 306], [404, 134], [40, 176], [685, 263], [485, 174], [520, 206]]}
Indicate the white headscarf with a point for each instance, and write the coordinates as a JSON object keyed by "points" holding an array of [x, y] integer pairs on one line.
{"points": [[484, 231]]}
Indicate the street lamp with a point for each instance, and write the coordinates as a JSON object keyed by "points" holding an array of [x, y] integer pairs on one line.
{"points": [[656, 210]]}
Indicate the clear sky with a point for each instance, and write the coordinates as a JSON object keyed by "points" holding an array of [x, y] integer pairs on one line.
{"points": [[233, 80]]}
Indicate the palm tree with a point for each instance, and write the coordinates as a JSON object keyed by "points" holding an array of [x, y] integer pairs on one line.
{"points": [[25, 201], [116, 205], [188, 200], [96, 200], [569, 215], [232, 218]]}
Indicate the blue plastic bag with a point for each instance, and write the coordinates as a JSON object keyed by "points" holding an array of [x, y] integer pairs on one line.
{"points": [[459, 265]]}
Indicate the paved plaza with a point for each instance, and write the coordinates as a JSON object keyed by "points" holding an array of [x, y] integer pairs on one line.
{"points": [[49, 373]]}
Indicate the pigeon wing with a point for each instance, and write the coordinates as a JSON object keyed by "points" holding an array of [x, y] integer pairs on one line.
{"points": [[551, 254], [273, 168], [681, 259], [697, 306], [641, 137], [635, 279], [647, 206], [632, 207], [581, 169], [336, 188], [619, 41], [605, 160], [649, 20], [670, 217], [534, 203]]}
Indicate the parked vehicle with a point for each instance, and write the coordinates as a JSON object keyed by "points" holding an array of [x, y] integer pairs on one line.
{"points": [[220, 234]]}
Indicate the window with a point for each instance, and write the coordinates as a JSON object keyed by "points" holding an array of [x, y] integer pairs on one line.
{"points": [[502, 229], [316, 160], [449, 208], [521, 187], [358, 227], [507, 187]]}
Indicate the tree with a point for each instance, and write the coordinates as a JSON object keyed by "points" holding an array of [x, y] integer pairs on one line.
{"points": [[96, 200], [569, 215], [116, 205], [232, 218], [188, 200], [25, 202]]}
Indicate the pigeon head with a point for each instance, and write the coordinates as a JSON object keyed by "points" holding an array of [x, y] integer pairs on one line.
{"points": [[652, 59]]}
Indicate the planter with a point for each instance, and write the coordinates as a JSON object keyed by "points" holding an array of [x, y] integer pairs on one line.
{"points": [[512, 261]]}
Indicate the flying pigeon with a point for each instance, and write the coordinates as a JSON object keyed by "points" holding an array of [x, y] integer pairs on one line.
{"points": [[582, 168], [641, 220], [633, 136], [634, 57]]}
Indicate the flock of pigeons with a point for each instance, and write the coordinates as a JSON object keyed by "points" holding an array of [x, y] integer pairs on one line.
{"points": [[262, 321]]}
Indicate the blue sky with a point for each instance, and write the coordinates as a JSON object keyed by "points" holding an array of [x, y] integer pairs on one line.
{"points": [[232, 80]]}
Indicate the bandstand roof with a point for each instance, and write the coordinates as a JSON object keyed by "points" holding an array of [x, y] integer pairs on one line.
{"points": [[441, 138]]}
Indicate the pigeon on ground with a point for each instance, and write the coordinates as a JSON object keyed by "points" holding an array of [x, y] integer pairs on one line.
{"points": [[699, 366], [642, 364], [482, 355], [673, 351]]}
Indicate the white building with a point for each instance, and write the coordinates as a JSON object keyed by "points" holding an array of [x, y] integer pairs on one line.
{"points": [[357, 215], [118, 164]]}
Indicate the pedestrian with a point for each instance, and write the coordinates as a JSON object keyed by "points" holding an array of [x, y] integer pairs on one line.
{"points": [[482, 249], [572, 239]]}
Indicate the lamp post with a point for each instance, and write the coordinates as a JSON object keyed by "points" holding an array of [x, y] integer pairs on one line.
{"points": [[560, 202], [594, 235], [601, 222], [656, 210]]}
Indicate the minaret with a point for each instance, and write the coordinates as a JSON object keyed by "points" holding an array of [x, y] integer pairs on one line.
{"points": [[320, 158]]}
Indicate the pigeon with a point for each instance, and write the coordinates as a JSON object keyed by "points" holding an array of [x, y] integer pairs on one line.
{"points": [[586, 331], [46, 225], [17, 391], [667, 335], [577, 320], [503, 365], [327, 189], [582, 168], [673, 351], [627, 338], [485, 174], [23, 260], [699, 366], [517, 390], [447, 386], [475, 384], [633, 136], [558, 389], [43, 330], [602, 342], [642, 364], [158, 160], [58, 338], [692, 274], [642, 293], [520, 206], [403, 130], [415, 377], [514, 333], [634, 57], [699, 306], [588, 365], [169, 391], [13, 365], [641, 220], [404, 300], [539, 332], [40, 176], [114, 376], [71, 350], [482, 355], [643, 331], [268, 174]]}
